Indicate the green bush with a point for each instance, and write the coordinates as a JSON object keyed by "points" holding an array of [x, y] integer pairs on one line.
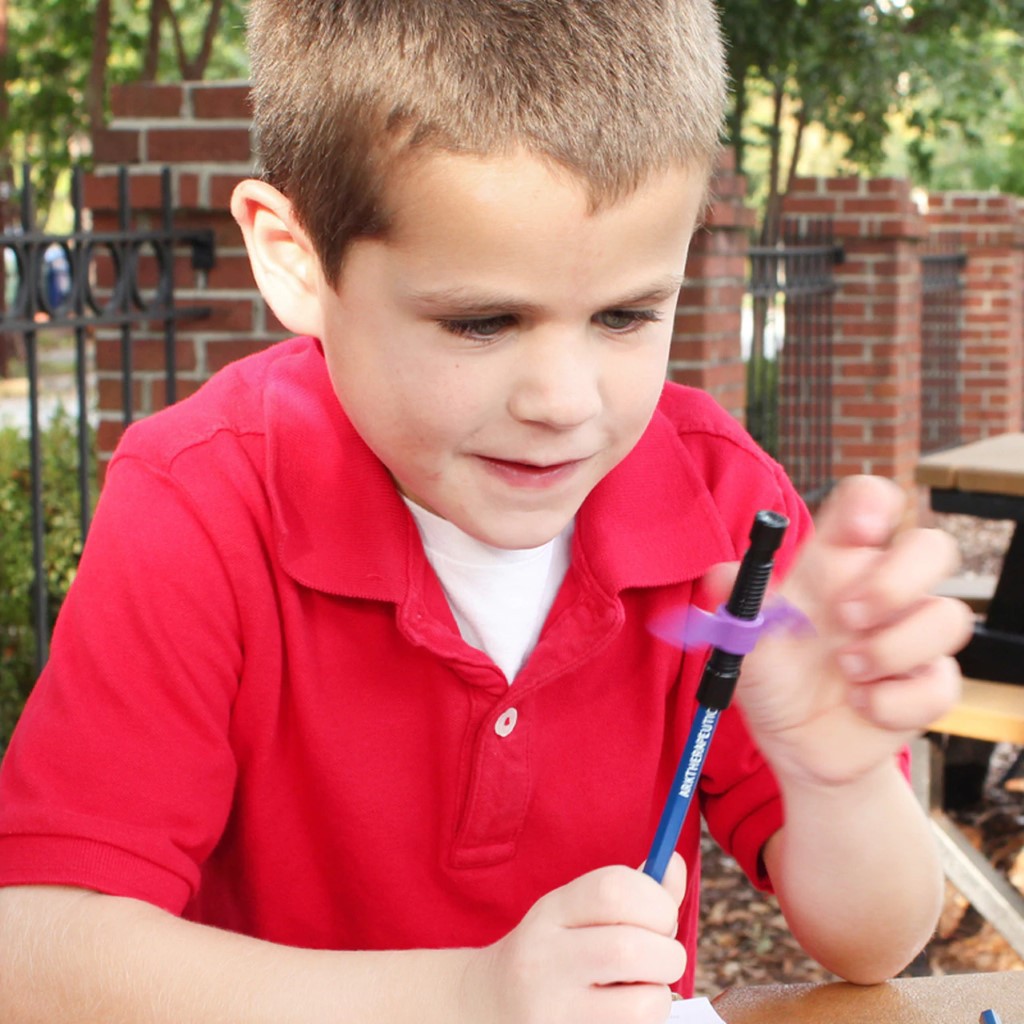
{"points": [[62, 548], [763, 403]]}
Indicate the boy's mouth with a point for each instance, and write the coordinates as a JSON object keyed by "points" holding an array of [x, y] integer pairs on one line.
{"points": [[529, 473]]}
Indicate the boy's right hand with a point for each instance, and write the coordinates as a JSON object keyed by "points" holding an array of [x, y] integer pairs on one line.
{"points": [[601, 949]]}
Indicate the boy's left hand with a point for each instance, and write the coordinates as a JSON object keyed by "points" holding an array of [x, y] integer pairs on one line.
{"points": [[827, 708]]}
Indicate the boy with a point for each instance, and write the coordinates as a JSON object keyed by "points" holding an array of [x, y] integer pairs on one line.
{"points": [[275, 770]]}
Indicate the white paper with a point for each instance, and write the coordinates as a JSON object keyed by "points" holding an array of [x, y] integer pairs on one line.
{"points": [[694, 1011]]}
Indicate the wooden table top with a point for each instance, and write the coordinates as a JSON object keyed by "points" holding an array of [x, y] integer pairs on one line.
{"points": [[994, 465], [952, 999], [986, 711]]}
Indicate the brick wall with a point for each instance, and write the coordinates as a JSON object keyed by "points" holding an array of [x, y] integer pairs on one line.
{"points": [[201, 132], [705, 349], [877, 349], [990, 228]]}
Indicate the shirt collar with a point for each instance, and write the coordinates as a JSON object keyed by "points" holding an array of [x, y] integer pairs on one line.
{"points": [[652, 520], [341, 526], [339, 521]]}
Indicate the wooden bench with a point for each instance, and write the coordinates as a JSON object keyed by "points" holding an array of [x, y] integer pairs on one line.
{"points": [[987, 711], [975, 591]]}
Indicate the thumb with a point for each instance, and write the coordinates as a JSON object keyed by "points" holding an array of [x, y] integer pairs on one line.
{"points": [[676, 877], [861, 511], [852, 532], [716, 585]]}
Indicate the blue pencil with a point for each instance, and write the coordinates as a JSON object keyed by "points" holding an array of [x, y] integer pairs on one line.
{"points": [[717, 684], [683, 786]]}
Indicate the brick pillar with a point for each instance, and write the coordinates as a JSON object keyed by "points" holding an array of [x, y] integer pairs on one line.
{"points": [[201, 131], [990, 228], [705, 349], [877, 320]]}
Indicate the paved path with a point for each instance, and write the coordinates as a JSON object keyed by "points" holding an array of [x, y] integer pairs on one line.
{"points": [[55, 391]]}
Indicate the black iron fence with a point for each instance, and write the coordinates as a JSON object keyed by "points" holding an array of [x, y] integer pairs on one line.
{"points": [[942, 289], [790, 353], [79, 284]]}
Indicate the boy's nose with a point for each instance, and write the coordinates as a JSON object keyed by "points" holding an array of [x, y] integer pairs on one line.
{"points": [[557, 384]]}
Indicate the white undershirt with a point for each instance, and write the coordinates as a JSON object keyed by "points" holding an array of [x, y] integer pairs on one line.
{"points": [[500, 598]]}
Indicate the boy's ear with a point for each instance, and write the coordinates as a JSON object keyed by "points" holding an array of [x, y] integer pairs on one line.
{"points": [[283, 260]]}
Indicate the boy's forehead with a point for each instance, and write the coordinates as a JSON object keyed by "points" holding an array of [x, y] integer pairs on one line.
{"points": [[477, 233], [417, 182]]}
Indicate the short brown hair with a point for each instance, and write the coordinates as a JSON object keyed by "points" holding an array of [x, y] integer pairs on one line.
{"points": [[342, 89]]}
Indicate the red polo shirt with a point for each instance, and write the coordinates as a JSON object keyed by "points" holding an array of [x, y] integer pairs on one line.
{"points": [[259, 713]]}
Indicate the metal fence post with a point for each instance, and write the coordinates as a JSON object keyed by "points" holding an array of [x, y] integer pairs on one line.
{"points": [[82, 308]]}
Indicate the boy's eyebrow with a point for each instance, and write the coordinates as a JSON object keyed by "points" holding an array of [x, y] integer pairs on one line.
{"points": [[468, 301], [657, 291]]}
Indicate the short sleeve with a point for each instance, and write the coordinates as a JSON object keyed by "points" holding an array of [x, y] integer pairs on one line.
{"points": [[740, 798], [119, 776]]}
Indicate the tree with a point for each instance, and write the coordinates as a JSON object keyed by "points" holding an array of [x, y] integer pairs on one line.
{"points": [[807, 61], [188, 67], [849, 66], [63, 55], [58, 59], [6, 342], [962, 122]]}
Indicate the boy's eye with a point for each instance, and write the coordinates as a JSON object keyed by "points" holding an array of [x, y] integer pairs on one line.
{"points": [[622, 320], [480, 329]]}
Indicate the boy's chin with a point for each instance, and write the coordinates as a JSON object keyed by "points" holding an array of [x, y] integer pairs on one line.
{"points": [[518, 533], [510, 529]]}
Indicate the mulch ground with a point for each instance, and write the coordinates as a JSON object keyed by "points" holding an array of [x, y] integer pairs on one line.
{"points": [[744, 939]]}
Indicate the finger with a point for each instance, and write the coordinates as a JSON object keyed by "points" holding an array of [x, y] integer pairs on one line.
{"points": [[852, 533], [912, 702], [675, 879], [616, 895], [935, 627], [861, 511], [616, 1004], [716, 584], [617, 954], [915, 563]]}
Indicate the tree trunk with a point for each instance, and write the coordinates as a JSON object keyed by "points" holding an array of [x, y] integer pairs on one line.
{"points": [[762, 402], [151, 62], [3, 66], [96, 90], [179, 42], [798, 141], [739, 111], [193, 69], [197, 67], [6, 182], [770, 228]]}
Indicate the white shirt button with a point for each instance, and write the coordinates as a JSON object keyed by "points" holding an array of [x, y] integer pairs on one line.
{"points": [[504, 725]]}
